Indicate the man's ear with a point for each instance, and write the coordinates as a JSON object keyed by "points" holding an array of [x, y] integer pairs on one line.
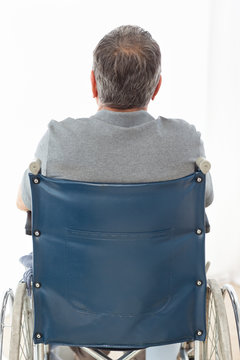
{"points": [[157, 88], [94, 85]]}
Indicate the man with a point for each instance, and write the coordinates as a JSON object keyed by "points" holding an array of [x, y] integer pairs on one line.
{"points": [[122, 142]]}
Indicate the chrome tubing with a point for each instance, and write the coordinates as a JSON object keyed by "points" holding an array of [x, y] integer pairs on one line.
{"points": [[235, 304]]}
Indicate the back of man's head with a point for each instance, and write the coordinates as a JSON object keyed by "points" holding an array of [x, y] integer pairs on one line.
{"points": [[127, 67]]}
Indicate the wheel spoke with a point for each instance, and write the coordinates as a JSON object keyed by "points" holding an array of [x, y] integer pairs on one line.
{"points": [[26, 335], [23, 337], [23, 353], [217, 345], [21, 347]]}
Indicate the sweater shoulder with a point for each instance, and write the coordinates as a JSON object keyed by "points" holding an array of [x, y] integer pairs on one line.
{"points": [[67, 125], [66, 122], [176, 123], [178, 126]]}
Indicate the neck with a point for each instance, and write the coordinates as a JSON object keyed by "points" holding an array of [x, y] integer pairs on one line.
{"points": [[102, 107]]}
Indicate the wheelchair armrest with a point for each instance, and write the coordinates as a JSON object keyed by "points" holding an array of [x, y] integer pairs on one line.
{"points": [[28, 226]]}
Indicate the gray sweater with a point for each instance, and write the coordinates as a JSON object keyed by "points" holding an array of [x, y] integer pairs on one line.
{"points": [[119, 147]]}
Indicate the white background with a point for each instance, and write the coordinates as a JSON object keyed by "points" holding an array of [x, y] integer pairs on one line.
{"points": [[46, 58]]}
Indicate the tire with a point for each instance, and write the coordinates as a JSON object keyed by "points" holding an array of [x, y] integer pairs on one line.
{"points": [[21, 344], [233, 312], [217, 345], [6, 320]]}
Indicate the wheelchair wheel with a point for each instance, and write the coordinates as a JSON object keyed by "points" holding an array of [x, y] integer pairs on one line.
{"points": [[217, 345], [21, 344], [233, 313], [6, 320]]}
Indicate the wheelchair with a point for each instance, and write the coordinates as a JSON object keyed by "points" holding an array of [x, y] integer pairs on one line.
{"points": [[118, 266]]}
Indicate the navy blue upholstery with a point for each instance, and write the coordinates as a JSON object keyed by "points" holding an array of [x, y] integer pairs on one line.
{"points": [[118, 264]]}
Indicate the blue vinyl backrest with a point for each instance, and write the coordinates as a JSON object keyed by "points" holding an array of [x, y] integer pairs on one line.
{"points": [[118, 265]]}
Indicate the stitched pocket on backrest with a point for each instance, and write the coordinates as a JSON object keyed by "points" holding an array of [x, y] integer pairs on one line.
{"points": [[119, 273]]}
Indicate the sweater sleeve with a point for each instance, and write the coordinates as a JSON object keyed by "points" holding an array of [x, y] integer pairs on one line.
{"points": [[40, 153], [209, 187]]}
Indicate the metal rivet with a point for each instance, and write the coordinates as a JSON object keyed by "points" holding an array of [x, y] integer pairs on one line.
{"points": [[38, 336], [199, 179], [199, 332], [198, 231], [36, 180], [37, 285], [37, 233], [199, 282]]}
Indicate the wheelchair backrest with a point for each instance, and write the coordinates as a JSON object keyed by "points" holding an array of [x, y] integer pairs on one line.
{"points": [[118, 265]]}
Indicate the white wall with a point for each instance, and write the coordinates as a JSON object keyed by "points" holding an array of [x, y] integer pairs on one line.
{"points": [[45, 68], [222, 136]]}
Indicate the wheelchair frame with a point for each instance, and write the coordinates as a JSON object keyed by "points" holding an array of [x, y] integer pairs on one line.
{"points": [[217, 343]]}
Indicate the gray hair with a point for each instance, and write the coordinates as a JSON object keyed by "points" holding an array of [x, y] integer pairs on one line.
{"points": [[127, 67]]}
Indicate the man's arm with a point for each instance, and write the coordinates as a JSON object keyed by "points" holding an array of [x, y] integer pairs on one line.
{"points": [[209, 190], [19, 202], [24, 197], [209, 195]]}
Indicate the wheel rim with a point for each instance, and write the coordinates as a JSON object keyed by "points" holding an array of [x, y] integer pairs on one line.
{"points": [[233, 313], [26, 346], [217, 345], [21, 345], [213, 342], [6, 320]]}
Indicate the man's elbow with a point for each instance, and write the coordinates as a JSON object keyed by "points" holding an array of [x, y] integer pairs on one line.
{"points": [[209, 199], [20, 204]]}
